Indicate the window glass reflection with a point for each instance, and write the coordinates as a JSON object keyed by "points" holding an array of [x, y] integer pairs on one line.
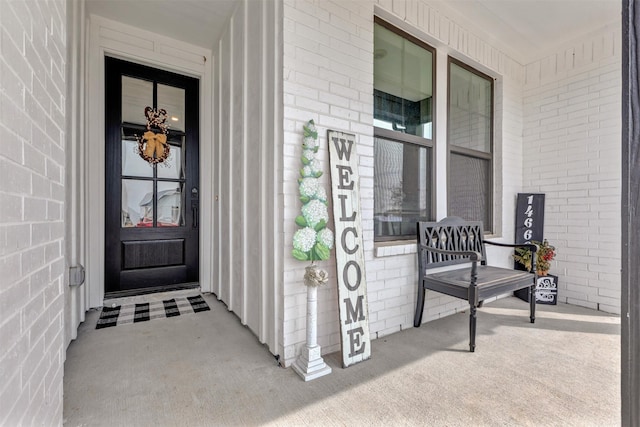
{"points": [[173, 167], [403, 84], [402, 193], [137, 203], [132, 163], [137, 94], [170, 197], [472, 196], [172, 100], [470, 109]]}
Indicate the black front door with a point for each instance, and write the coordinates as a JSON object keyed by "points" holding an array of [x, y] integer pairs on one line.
{"points": [[152, 199]]}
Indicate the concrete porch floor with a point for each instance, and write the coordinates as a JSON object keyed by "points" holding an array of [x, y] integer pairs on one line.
{"points": [[207, 369]]}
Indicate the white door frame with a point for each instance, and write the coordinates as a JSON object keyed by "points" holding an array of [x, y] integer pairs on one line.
{"points": [[110, 38]]}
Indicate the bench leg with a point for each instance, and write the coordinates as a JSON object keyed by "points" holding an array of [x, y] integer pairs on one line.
{"points": [[532, 303], [472, 328], [417, 319]]}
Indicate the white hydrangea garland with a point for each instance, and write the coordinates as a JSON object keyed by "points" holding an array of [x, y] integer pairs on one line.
{"points": [[313, 241]]}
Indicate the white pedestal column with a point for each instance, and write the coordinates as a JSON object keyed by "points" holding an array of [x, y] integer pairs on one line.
{"points": [[310, 364]]}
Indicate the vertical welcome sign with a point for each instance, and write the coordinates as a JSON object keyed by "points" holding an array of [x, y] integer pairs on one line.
{"points": [[352, 286]]}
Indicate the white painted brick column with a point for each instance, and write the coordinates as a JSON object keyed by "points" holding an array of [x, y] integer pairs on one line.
{"points": [[327, 77], [32, 166]]}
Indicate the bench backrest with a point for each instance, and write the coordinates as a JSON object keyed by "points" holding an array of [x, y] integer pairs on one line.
{"points": [[453, 234]]}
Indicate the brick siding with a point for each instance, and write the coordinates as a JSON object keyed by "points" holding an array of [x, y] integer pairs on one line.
{"points": [[572, 131], [328, 77], [32, 169], [328, 67]]}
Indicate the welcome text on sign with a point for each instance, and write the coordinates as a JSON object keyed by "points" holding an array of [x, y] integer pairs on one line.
{"points": [[352, 289]]}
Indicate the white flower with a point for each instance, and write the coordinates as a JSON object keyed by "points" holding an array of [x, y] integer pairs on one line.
{"points": [[311, 126], [325, 236], [307, 243], [314, 212], [321, 194], [309, 143], [308, 187], [315, 166], [313, 169], [308, 154], [304, 239]]}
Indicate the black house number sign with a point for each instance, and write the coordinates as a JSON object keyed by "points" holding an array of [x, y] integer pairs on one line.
{"points": [[530, 227], [529, 219]]}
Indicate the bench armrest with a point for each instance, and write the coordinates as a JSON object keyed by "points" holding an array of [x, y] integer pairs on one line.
{"points": [[533, 248], [473, 256], [530, 246]]}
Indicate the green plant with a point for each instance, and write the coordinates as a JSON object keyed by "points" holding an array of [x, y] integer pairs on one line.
{"points": [[313, 241], [544, 255]]}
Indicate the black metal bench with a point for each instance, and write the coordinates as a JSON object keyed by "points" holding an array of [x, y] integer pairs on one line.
{"points": [[454, 241]]}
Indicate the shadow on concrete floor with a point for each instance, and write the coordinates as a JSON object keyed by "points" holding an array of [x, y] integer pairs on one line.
{"points": [[206, 369]]}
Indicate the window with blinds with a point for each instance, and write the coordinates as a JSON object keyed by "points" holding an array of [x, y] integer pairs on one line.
{"points": [[470, 142], [403, 128]]}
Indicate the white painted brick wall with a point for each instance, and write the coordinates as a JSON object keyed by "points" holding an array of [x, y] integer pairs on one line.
{"points": [[566, 132], [32, 126], [328, 77], [572, 137]]}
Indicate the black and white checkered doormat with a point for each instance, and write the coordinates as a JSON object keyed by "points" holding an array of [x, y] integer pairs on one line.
{"points": [[133, 313]]}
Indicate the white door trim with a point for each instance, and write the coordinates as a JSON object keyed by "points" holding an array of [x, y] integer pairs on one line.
{"points": [[110, 38]]}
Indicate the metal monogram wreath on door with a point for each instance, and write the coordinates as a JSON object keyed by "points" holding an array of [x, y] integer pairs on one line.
{"points": [[153, 146]]}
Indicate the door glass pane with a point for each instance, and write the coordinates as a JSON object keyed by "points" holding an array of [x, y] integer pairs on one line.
{"points": [[172, 100], [173, 167], [137, 203], [402, 193], [132, 163], [137, 94], [170, 206]]}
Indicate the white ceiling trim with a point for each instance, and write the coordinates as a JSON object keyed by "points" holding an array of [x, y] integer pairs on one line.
{"points": [[528, 30]]}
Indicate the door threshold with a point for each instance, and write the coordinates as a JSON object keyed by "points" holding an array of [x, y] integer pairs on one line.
{"points": [[138, 296]]}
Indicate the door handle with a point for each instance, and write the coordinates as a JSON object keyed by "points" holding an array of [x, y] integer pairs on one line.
{"points": [[194, 210], [194, 207]]}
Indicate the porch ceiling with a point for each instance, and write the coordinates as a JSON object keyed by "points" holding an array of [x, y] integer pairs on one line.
{"points": [[525, 29], [199, 22]]}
